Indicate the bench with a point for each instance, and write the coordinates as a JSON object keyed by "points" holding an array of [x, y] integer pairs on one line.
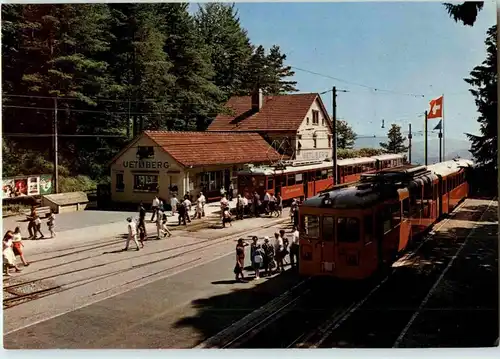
{"points": [[41, 211]]}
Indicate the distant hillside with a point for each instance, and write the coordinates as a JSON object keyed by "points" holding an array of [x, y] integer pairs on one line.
{"points": [[454, 148]]}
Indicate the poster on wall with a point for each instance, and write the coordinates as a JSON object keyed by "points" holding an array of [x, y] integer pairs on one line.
{"points": [[8, 188], [45, 184], [33, 186], [21, 187]]}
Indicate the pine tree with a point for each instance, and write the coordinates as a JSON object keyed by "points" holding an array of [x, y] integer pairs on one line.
{"points": [[140, 63], [396, 141], [230, 49], [195, 98], [484, 88], [466, 12], [279, 73], [345, 135]]}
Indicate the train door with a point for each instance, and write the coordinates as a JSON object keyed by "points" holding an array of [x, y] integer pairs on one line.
{"points": [[327, 246], [277, 184]]}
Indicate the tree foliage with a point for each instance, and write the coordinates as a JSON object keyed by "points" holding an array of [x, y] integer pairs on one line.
{"points": [[483, 80], [345, 135], [118, 69], [466, 12], [396, 143]]}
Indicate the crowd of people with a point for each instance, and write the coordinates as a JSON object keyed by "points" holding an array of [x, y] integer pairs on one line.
{"points": [[268, 258]]}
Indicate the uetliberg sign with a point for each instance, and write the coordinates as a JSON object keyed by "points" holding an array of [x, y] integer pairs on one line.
{"points": [[145, 164]]}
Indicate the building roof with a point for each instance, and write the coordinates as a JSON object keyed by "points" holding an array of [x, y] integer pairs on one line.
{"points": [[212, 148], [278, 113]]}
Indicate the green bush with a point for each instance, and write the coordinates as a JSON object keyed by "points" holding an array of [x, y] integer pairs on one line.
{"points": [[75, 184]]}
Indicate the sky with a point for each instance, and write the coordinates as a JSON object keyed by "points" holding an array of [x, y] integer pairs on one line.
{"points": [[409, 48]]}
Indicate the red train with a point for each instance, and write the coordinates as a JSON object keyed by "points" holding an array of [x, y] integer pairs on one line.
{"points": [[303, 179], [351, 232]]}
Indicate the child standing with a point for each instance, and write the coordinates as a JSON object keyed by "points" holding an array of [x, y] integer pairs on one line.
{"points": [[50, 224]]}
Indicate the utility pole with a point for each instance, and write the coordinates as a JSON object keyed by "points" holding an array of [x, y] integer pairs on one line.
{"points": [[409, 142], [56, 150], [440, 144], [425, 139], [334, 134]]}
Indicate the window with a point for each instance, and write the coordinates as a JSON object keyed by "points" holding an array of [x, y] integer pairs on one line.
{"points": [[270, 183], [368, 228], [315, 117], [329, 142], [310, 226], [212, 181], [322, 122], [144, 152], [318, 175], [120, 186], [146, 183], [328, 229], [307, 121], [291, 180], [324, 174], [315, 142], [347, 230], [330, 173], [298, 178]]}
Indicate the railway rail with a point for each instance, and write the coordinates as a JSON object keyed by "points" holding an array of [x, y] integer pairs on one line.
{"points": [[16, 294], [375, 314]]}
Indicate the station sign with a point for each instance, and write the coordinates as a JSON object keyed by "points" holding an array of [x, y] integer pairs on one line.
{"points": [[146, 164]]}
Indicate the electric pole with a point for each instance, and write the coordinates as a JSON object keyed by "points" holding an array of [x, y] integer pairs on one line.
{"points": [[409, 142], [334, 134], [56, 150]]}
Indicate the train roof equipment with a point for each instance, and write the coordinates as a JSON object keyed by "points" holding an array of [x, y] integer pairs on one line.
{"points": [[373, 188], [448, 167]]}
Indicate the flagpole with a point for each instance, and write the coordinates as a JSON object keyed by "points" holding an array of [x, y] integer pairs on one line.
{"points": [[442, 135], [425, 140]]}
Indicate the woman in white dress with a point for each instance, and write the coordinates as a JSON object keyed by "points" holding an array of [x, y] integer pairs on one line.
{"points": [[9, 258]]}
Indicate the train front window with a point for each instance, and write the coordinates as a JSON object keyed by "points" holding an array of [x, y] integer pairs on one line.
{"points": [[328, 228], [348, 229], [310, 226]]}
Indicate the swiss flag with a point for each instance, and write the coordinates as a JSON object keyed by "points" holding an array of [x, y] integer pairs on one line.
{"points": [[436, 110]]}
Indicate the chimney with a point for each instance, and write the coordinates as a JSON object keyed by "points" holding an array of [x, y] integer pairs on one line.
{"points": [[257, 100]]}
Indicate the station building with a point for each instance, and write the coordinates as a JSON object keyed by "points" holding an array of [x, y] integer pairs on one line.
{"points": [[163, 163]]}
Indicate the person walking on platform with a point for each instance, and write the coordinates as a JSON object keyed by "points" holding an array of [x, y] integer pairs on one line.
{"points": [[17, 245], [159, 224], [174, 202], [240, 260], [50, 224], [154, 207], [294, 249], [268, 256], [278, 252], [203, 201], [164, 226], [132, 234], [279, 203], [142, 217], [181, 209]]}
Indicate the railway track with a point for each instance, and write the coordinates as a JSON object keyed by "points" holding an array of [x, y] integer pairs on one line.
{"points": [[375, 314], [20, 293]]}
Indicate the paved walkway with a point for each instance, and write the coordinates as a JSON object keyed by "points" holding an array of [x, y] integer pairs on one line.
{"points": [[91, 266]]}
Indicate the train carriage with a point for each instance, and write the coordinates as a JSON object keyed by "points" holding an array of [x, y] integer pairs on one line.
{"points": [[304, 179], [351, 232]]}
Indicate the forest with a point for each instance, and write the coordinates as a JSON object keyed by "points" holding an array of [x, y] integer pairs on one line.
{"points": [[113, 70]]}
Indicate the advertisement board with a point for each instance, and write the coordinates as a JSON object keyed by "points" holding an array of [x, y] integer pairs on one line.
{"points": [[26, 186]]}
